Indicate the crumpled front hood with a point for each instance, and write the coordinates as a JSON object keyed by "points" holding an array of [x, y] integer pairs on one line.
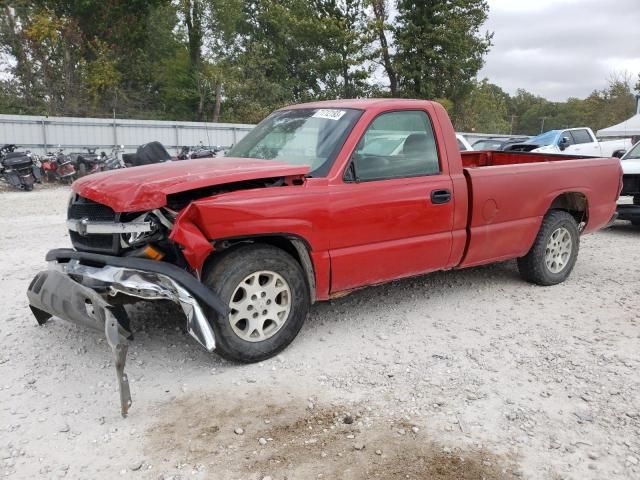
{"points": [[145, 188]]}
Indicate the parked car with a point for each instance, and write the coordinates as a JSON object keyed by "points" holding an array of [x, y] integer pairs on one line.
{"points": [[571, 141], [304, 209], [631, 185], [463, 143], [497, 143]]}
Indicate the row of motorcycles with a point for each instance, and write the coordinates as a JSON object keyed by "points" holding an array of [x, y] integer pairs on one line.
{"points": [[23, 169]]}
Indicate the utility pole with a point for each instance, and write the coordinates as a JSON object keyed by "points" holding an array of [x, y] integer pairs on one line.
{"points": [[542, 125], [513, 117]]}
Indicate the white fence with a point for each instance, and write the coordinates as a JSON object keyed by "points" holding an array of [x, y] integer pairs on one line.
{"points": [[40, 134]]}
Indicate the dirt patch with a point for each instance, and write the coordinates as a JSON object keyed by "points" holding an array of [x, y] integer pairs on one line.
{"points": [[297, 439]]}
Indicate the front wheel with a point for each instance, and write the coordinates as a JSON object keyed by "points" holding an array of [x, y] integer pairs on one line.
{"points": [[267, 295], [554, 252]]}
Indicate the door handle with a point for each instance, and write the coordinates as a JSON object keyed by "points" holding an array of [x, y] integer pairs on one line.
{"points": [[440, 196]]}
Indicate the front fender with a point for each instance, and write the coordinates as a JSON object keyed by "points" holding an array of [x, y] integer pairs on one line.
{"points": [[186, 233]]}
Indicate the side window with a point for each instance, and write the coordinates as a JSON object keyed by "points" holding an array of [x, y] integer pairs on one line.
{"points": [[461, 146], [396, 145], [567, 134], [582, 136]]}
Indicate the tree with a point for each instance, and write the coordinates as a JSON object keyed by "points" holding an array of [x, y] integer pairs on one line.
{"points": [[379, 26], [343, 24], [483, 110], [439, 47], [84, 57]]}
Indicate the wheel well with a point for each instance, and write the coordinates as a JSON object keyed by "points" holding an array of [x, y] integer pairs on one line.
{"points": [[294, 246], [573, 202]]}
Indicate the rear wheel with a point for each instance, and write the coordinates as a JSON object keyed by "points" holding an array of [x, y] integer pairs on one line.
{"points": [[267, 295], [554, 252]]}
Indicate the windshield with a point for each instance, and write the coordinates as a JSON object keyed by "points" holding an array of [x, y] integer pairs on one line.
{"points": [[488, 145], [547, 138], [305, 136], [634, 153]]}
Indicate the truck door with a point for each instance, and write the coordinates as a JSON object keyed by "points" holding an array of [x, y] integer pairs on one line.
{"points": [[392, 216], [583, 143]]}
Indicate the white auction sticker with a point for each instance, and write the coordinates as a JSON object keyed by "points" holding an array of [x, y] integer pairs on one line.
{"points": [[329, 114]]}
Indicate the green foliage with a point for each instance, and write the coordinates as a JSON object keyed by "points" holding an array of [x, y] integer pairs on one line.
{"points": [[483, 110], [439, 46], [237, 60], [602, 108]]}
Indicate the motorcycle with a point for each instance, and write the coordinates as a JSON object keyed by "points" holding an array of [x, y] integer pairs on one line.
{"points": [[113, 161], [200, 152], [19, 169], [88, 162], [152, 152], [58, 166]]}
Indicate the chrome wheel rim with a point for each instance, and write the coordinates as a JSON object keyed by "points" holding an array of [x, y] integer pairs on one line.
{"points": [[558, 250], [260, 306]]}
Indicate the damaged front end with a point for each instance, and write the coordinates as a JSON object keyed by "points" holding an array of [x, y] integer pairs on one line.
{"points": [[89, 289]]}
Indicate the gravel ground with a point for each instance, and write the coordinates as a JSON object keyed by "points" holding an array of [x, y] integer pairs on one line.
{"points": [[468, 374]]}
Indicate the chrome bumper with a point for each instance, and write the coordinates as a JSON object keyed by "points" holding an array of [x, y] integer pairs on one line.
{"points": [[86, 227], [146, 286], [80, 288]]}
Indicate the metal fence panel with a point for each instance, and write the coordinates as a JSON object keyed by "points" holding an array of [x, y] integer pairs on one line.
{"points": [[40, 134]]}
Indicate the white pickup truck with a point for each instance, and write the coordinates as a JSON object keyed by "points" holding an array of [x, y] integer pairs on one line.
{"points": [[572, 141], [631, 185]]}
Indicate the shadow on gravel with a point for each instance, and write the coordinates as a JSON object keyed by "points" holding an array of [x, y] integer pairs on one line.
{"points": [[284, 439], [156, 323], [623, 228]]}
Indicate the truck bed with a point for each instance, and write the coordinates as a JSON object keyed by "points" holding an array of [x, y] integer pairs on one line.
{"points": [[509, 193], [475, 159]]}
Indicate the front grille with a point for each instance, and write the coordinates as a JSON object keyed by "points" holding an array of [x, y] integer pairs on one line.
{"points": [[80, 208], [631, 184], [92, 243]]}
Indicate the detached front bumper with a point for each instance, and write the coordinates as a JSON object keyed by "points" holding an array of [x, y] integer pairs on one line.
{"points": [[82, 288]]}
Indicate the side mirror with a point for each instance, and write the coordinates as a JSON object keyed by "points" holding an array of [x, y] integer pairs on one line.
{"points": [[350, 175], [619, 153], [563, 143]]}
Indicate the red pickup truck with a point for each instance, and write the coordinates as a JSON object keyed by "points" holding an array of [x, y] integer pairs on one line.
{"points": [[319, 199]]}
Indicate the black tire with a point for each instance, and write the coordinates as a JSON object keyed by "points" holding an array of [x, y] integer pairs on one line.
{"points": [[28, 187], [82, 170], [533, 267], [224, 274]]}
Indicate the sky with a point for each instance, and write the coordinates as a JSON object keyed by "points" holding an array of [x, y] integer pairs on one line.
{"points": [[562, 48]]}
